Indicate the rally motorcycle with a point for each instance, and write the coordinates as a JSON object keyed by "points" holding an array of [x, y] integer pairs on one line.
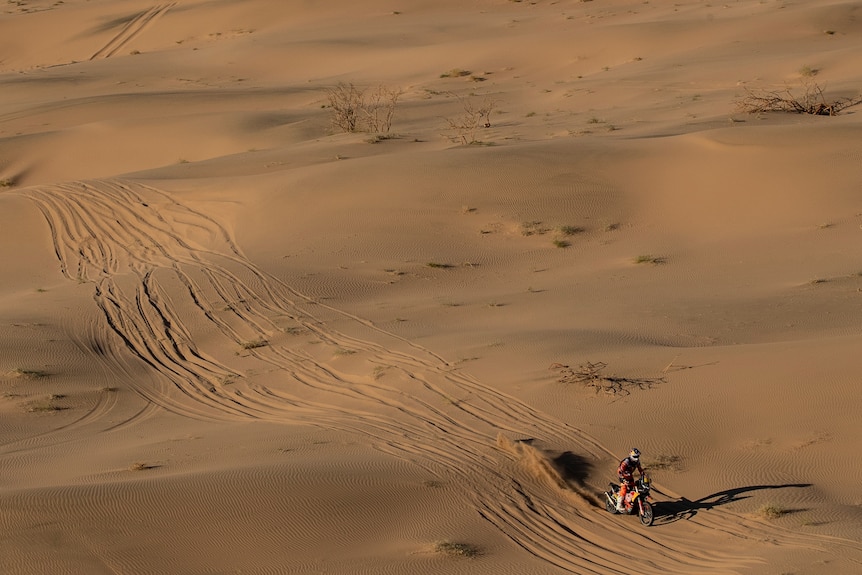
{"points": [[636, 500]]}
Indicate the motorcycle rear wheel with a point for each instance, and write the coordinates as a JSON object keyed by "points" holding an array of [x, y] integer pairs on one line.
{"points": [[647, 515]]}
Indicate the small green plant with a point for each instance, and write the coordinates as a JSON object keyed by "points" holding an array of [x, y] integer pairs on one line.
{"points": [[807, 71], [649, 259], [571, 230], [46, 405], [6, 183], [29, 373], [773, 511], [254, 344], [457, 549], [439, 265], [533, 228], [455, 73], [666, 462], [561, 243]]}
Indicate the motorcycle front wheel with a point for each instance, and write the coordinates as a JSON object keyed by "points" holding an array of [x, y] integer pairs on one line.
{"points": [[646, 513], [610, 505]]}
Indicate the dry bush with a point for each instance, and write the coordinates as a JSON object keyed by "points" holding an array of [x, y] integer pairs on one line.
{"points": [[379, 108], [355, 109], [475, 114], [773, 511], [345, 101], [810, 100], [457, 549], [591, 375]]}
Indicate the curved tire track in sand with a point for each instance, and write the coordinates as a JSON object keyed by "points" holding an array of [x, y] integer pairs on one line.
{"points": [[159, 290], [132, 30]]}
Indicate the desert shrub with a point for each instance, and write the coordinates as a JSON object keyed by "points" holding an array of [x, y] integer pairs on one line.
{"points": [[773, 511], [353, 109], [475, 114], [29, 373], [649, 259], [254, 344], [809, 100], [457, 549]]}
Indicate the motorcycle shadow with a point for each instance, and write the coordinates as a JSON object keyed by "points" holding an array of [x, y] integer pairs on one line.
{"points": [[670, 511]]}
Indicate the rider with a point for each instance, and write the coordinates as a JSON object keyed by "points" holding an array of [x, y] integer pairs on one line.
{"points": [[626, 472]]}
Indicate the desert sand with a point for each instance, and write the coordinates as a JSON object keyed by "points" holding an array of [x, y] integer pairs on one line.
{"points": [[235, 338]]}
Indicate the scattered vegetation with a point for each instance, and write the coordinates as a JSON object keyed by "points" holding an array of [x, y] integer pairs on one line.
{"points": [[807, 71], [561, 243], [455, 73], [665, 462], [6, 183], [571, 230], [355, 109], [46, 405], [591, 375], [457, 549], [533, 228], [439, 265], [810, 100]]}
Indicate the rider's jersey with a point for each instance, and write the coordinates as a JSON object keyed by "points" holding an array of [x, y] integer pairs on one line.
{"points": [[627, 468]]}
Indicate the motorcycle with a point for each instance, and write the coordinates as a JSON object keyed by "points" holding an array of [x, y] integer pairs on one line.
{"points": [[636, 500]]}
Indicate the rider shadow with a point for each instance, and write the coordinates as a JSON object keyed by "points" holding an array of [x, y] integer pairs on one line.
{"points": [[670, 511]]}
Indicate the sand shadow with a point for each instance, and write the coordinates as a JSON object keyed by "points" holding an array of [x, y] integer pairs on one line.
{"points": [[573, 467], [683, 508]]}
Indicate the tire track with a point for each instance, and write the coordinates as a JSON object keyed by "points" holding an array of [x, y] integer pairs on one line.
{"points": [[132, 30], [158, 288]]}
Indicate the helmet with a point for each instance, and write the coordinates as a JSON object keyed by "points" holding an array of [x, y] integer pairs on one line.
{"points": [[635, 454]]}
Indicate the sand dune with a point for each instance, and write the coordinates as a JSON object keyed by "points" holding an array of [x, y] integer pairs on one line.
{"points": [[234, 338]]}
